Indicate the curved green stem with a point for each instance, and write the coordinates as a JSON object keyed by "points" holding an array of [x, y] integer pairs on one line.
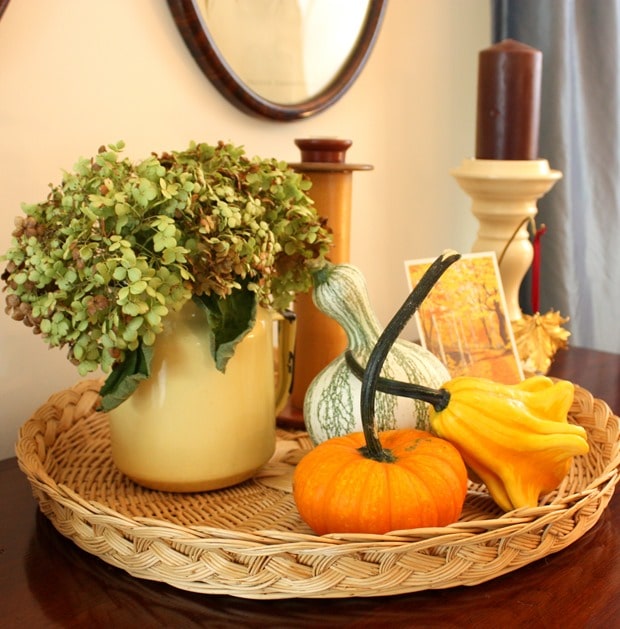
{"points": [[381, 349], [437, 398]]}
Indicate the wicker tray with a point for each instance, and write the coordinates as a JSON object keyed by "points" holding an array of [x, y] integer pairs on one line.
{"points": [[249, 541]]}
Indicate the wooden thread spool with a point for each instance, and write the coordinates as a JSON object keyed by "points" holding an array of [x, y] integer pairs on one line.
{"points": [[319, 338]]}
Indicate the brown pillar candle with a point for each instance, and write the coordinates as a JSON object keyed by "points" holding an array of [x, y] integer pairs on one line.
{"points": [[508, 111]]}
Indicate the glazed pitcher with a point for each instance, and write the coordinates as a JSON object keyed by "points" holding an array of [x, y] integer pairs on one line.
{"points": [[190, 427]]}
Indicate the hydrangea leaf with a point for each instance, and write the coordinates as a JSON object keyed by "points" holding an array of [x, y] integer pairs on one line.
{"points": [[125, 377], [230, 319]]}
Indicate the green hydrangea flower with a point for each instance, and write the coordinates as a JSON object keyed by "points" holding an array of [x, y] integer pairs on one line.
{"points": [[118, 245]]}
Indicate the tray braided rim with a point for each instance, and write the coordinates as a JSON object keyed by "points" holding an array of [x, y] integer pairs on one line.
{"points": [[249, 541]]}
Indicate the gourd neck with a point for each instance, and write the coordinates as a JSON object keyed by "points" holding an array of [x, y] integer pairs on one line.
{"points": [[346, 300], [362, 330]]}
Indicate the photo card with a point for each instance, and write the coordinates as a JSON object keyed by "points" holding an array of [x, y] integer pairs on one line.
{"points": [[464, 321]]}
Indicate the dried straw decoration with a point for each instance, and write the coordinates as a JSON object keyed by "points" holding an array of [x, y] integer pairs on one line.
{"points": [[249, 541]]}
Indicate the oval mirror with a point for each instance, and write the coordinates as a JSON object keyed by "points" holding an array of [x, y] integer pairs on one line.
{"points": [[280, 59]]}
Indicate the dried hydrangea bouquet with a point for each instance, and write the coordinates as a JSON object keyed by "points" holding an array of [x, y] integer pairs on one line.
{"points": [[100, 265]]}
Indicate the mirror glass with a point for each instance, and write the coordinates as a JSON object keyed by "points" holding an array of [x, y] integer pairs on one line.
{"points": [[286, 51], [280, 59]]}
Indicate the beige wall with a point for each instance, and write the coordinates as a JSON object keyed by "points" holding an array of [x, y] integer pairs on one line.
{"points": [[75, 74]]}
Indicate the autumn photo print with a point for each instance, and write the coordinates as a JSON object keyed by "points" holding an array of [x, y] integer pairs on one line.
{"points": [[463, 320]]}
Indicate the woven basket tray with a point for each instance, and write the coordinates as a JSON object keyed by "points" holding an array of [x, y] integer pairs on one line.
{"points": [[249, 540]]}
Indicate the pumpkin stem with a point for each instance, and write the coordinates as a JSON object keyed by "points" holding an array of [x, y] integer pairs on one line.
{"points": [[437, 398], [379, 353]]}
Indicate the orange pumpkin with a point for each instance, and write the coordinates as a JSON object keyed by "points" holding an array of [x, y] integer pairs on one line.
{"points": [[339, 488], [369, 483]]}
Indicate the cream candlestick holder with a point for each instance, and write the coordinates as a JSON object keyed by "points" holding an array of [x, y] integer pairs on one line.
{"points": [[504, 194]]}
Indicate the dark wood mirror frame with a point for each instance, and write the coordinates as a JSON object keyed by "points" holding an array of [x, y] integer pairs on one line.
{"points": [[200, 43], [3, 4]]}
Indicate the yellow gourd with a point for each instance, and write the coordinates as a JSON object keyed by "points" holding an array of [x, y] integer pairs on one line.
{"points": [[516, 438]]}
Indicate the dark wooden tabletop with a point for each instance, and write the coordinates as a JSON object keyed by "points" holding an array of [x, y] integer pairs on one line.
{"points": [[46, 581]]}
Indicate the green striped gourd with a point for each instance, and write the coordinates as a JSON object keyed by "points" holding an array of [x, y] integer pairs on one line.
{"points": [[332, 401]]}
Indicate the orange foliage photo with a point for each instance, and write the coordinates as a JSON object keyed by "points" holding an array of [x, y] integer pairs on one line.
{"points": [[463, 320]]}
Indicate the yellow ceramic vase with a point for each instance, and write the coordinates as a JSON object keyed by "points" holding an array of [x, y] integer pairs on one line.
{"points": [[190, 427]]}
